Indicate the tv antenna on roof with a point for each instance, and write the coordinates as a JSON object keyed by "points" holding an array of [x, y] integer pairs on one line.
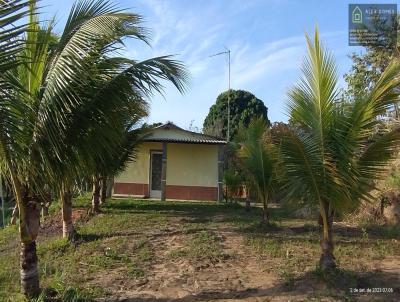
{"points": [[227, 52]]}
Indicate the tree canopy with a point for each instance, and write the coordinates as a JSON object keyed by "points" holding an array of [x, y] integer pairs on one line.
{"points": [[244, 106], [368, 66]]}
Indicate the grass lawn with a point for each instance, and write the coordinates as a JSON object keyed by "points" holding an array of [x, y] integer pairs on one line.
{"points": [[190, 251]]}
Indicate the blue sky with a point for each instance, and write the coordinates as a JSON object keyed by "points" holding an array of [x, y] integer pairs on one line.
{"points": [[266, 38]]}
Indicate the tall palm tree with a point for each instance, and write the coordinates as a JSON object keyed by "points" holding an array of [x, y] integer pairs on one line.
{"points": [[13, 138], [61, 102], [259, 158], [333, 154]]}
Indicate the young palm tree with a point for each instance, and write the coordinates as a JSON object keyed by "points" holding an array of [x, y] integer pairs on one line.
{"points": [[61, 103], [111, 163], [232, 182], [260, 161], [333, 155], [116, 163]]}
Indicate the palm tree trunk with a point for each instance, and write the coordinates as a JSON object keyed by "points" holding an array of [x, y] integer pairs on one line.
{"points": [[14, 215], [248, 199], [247, 204], [46, 203], [327, 260], [96, 195], [45, 210], [265, 216], [103, 194], [110, 184], [29, 216], [66, 211], [29, 269], [29, 229]]}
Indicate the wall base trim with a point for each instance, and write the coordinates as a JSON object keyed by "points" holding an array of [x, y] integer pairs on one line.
{"points": [[176, 192]]}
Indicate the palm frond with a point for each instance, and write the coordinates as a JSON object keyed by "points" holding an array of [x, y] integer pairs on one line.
{"points": [[311, 102], [373, 162], [12, 12], [258, 157], [92, 31], [330, 158]]}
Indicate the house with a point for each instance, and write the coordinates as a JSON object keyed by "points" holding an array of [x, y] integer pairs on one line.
{"points": [[173, 163]]}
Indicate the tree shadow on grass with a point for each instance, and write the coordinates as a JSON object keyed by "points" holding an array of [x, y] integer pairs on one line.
{"points": [[339, 284], [89, 237], [189, 212], [242, 222], [166, 206], [202, 212], [343, 234]]}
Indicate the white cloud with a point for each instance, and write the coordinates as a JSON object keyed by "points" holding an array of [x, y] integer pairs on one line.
{"points": [[195, 32]]}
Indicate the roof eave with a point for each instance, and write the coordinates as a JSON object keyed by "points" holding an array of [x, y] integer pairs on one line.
{"points": [[185, 141]]}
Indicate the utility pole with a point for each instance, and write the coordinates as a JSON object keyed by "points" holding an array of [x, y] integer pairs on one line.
{"points": [[227, 52]]}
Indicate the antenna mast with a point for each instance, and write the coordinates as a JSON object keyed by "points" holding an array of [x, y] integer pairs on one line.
{"points": [[227, 52]]}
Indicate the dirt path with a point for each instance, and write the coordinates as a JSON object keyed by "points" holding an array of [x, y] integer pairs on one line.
{"points": [[240, 276], [159, 252]]}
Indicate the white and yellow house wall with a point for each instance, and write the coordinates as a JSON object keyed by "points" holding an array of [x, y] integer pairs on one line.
{"points": [[191, 172]]}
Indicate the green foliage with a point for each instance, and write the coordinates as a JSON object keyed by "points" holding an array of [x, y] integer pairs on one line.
{"points": [[366, 70], [57, 246], [259, 158], [74, 91], [205, 246], [244, 107], [331, 158], [201, 247], [232, 180], [70, 105], [393, 179], [368, 66]]}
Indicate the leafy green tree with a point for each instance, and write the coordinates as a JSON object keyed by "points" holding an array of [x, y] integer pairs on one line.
{"points": [[244, 106], [332, 158], [367, 67], [366, 70], [259, 159], [64, 105], [232, 181]]}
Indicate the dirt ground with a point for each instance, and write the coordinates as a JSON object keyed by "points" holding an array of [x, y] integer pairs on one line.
{"points": [[239, 275], [52, 225], [148, 251]]}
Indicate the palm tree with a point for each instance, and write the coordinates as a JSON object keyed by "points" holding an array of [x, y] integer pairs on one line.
{"points": [[232, 182], [61, 103], [259, 158], [116, 86], [333, 154], [13, 110], [116, 163]]}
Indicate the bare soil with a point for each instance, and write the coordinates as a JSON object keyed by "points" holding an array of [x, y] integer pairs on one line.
{"points": [[239, 275], [52, 225], [149, 251]]}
